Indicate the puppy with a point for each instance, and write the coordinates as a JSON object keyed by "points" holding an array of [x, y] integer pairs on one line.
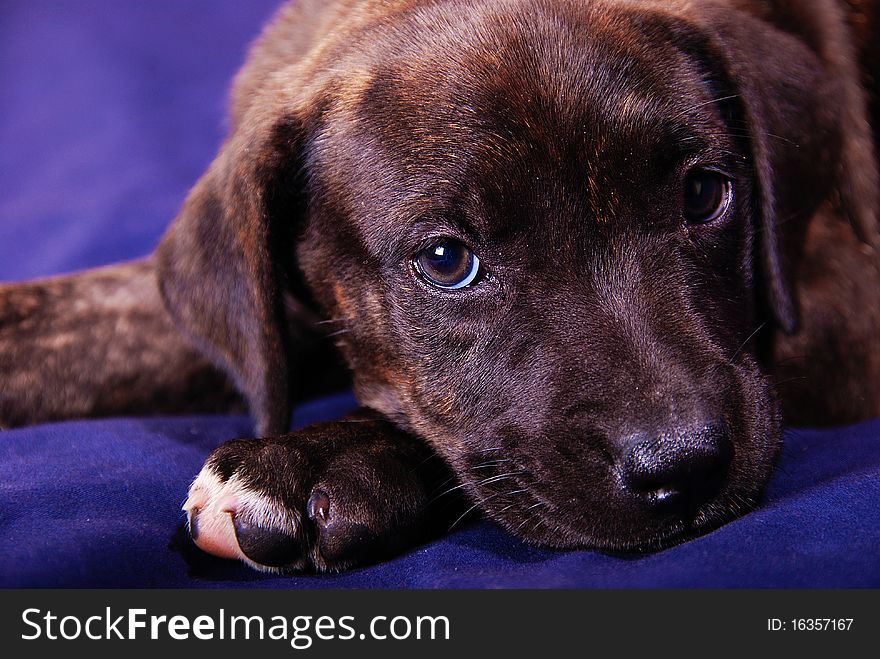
{"points": [[586, 255]]}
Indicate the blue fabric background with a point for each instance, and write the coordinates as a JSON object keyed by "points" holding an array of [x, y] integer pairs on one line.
{"points": [[109, 111]]}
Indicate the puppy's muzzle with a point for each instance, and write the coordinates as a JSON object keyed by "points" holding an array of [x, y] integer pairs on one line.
{"points": [[678, 470]]}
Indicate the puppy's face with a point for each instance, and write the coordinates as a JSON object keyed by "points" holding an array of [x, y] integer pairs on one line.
{"points": [[539, 235]]}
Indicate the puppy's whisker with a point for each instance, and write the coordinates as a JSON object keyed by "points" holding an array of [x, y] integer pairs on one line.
{"points": [[511, 505], [532, 507], [500, 477], [446, 492], [485, 481], [490, 463], [780, 138], [690, 109], [791, 379], [482, 502], [744, 343], [539, 520], [792, 358], [426, 460], [476, 505], [522, 524], [745, 133]]}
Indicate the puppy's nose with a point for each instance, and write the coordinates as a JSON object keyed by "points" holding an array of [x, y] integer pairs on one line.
{"points": [[680, 469]]}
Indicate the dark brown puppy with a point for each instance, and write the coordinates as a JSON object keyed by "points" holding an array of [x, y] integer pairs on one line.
{"points": [[567, 245]]}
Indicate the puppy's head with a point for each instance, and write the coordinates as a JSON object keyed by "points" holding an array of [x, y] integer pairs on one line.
{"points": [[550, 235]]}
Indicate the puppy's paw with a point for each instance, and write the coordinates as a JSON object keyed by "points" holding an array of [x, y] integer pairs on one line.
{"points": [[326, 498]]}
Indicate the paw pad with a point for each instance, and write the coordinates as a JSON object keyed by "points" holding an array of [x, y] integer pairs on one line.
{"points": [[269, 547]]}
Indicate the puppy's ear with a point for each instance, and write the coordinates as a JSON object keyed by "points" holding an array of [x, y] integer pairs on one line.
{"points": [[805, 120], [218, 271]]}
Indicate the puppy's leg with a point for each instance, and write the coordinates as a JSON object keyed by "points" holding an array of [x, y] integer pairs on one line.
{"points": [[99, 343], [326, 498]]}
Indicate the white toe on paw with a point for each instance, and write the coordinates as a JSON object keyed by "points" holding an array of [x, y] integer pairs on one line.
{"points": [[213, 506]]}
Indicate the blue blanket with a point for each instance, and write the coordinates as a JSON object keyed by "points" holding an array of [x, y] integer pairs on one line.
{"points": [[108, 113]]}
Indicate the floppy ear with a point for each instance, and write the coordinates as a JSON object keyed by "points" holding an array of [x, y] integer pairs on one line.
{"points": [[805, 119], [217, 268]]}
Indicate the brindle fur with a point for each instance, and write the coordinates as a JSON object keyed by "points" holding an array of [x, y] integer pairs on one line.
{"points": [[552, 136]]}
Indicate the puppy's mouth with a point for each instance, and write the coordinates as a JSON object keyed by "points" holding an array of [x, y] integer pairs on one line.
{"points": [[616, 508], [623, 526]]}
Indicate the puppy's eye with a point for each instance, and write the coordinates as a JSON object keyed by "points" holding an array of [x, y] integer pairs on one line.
{"points": [[447, 263], [707, 194]]}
